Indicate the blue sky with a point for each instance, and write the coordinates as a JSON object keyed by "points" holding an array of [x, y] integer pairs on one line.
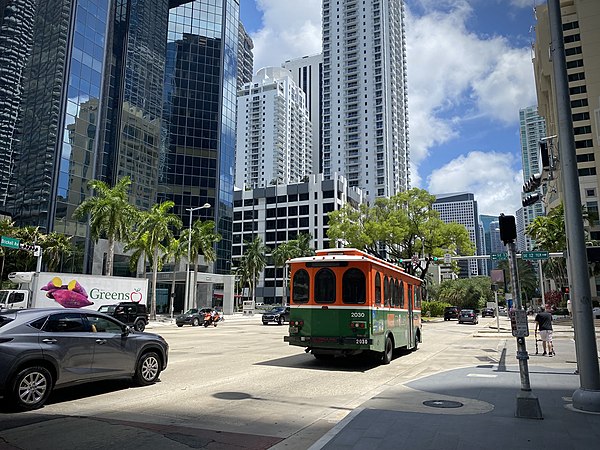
{"points": [[469, 73]]}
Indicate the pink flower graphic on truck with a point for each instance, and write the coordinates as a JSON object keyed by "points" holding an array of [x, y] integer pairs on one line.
{"points": [[71, 295]]}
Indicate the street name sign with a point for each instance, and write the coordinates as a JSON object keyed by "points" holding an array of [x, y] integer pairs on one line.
{"points": [[499, 256], [9, 242], [535, 255]]}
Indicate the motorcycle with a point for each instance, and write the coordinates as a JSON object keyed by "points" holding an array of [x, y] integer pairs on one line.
{"points": [[212, 319]]}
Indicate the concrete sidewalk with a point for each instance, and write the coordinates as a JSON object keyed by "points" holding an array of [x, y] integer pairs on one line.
{"points": [[474, 408]]}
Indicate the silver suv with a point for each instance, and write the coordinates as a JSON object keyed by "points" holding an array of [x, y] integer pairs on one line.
{"points": [[43, 349]]}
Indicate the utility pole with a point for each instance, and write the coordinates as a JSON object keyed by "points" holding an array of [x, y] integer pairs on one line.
{"points": [[587, 397], [528, 406]]}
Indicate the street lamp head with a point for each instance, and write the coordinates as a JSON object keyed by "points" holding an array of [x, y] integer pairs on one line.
{"points": [[206, 205]]}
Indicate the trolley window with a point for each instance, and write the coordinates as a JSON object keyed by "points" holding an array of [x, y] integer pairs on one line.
{"points": [[386, 290], [418, 293], [377, 289], [325, 286], [396, 294], [401, 288], [354, 286], [300, 287]]}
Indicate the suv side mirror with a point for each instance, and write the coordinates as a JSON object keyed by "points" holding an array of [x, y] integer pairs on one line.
{"points": [[125, 331]]}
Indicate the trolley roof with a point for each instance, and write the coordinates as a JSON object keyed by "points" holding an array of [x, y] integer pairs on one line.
{"points": [[350, 255]]}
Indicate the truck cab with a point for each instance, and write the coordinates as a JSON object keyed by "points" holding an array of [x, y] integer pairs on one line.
{"points": [[14, 299]]}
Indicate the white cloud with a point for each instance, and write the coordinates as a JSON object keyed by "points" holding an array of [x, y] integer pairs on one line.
{"points": [[494, 178], [455, 75], [291, 29]]}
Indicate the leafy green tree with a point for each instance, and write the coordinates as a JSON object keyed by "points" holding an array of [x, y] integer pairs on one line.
{"points": [[159, 224], [253, 262], [110, 214], [404, 225], [470, 293]]}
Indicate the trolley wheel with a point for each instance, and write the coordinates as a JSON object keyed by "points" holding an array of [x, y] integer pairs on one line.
{"points": [[388, 352]]}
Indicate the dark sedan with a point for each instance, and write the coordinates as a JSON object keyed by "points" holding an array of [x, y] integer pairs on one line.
{"points": [[468, 316], [193, 317], [43, 349], [488, 312], [277, 315]]}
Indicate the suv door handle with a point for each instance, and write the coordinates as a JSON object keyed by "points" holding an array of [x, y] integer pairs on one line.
{"points": [[49, 341], [100, 341]]}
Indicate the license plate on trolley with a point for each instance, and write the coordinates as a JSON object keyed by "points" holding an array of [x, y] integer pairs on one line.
{"points": [[362, 341], [293, 329]]}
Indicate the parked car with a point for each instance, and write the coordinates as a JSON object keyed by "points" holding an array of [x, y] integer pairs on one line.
{"points": [[46, 348], [193, 317], [468, 316], [278, 315], [488, 312], [130, 313], [107, 309], [451, 312]]}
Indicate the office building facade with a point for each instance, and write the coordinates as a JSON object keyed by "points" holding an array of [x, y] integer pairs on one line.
{"points": [[581, 30], [277, 214], [462, 208], [365, 117], [274, 131], [532, 132]]}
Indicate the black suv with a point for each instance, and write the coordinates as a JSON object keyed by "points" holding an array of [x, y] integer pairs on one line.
{"points": [[130, 313], [278, 315], [451, 312]]}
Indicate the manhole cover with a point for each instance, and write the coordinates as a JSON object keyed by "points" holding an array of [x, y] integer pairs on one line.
{"points": [[442, 404]]}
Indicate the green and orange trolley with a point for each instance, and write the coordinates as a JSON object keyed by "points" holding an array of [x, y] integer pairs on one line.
{"points": [[344, 302]]}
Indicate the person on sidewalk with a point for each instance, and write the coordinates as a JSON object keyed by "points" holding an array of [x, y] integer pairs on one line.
{"points": [[543, 321]]}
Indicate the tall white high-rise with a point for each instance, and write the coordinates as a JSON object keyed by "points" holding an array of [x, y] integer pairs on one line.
{"points": [[307, 72], [533, 129], [365, 118], [273, 131]]}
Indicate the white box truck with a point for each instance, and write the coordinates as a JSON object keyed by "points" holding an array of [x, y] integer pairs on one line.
{"points": [[71, 290]]}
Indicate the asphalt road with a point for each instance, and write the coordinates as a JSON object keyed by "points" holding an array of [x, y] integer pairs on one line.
{"points": [[240, 378]]}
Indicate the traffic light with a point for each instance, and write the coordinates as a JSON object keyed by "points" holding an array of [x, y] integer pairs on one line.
{"points": [[26, 247], [508, 228], [433, 259], [531, 199], [545, 154], [533, 183]]}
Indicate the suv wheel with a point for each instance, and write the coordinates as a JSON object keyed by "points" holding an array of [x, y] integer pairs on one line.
{"points": [[139, 325], [195, 322], [31, 388], [280, 320], [148, 369]]}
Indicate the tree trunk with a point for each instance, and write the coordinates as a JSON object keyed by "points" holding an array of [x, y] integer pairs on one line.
{"points": [[154, 276], [172, 296], [110, 256]]}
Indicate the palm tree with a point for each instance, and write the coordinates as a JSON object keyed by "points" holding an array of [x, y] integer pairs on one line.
{"points": [[159, 223], [176, 250], [110, 214], [295, 248], [254, 262], [56, 248], [139, 246], [203, 237]]}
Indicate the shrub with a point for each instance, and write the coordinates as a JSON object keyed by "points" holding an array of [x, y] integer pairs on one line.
{"points": [[435, 308]]}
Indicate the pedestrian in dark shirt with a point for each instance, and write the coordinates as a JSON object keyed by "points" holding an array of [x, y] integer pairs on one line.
{"points": [[543, 321]]}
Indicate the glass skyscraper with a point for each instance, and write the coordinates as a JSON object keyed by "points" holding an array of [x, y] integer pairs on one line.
{"points": [[102, 89], [197, 161]]}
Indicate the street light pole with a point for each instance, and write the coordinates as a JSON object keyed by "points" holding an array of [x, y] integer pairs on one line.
{"points": [[187, 302]]}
